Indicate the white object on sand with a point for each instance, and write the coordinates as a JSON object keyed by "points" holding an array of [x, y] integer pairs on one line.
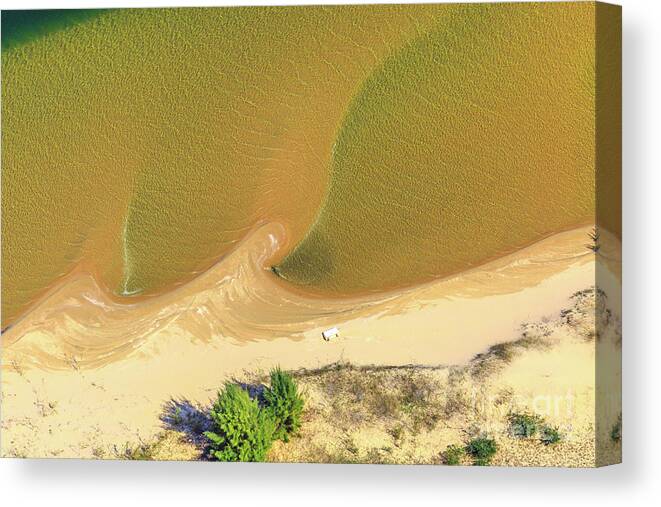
{"points": [[330, 333]]}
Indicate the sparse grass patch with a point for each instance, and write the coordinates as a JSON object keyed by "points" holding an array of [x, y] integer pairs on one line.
{"points": [[524, 425], [549, 435], [167, 445], [389, 394], [378, 455], [385, 404], [98, 453], [457, 399], [397, 434], [454, 455], [502, 351], [501, 354], [351, 447], [140, 452]]}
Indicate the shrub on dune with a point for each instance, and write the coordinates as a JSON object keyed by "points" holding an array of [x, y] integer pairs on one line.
{"points": [[482, 450], [284, 403], [242, 431], [524, 425], [549, 435], [453, 455]]}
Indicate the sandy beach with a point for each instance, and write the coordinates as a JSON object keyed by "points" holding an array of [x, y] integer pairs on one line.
{"points": [[81, 372]]}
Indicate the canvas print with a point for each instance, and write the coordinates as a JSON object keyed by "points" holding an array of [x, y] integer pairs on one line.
{"points": [[383, 234]]}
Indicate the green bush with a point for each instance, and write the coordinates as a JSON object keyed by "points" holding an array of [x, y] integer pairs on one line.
{"points": [[284, 403], [524, 425], [482, 450], [453, 455], [549, 435], [242, 432]]}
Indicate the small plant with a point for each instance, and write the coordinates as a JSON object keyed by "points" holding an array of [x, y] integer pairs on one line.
{"points": [[98, 453], [351, 446], [453, 455], [616, 431], [284, 403], [242, 431], [549, 435], [140, 452], [482, 450], [397, 434], [524, 425]]}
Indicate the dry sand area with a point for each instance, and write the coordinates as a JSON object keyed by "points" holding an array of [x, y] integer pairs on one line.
{"points": [[412, 414], [86, 376]]}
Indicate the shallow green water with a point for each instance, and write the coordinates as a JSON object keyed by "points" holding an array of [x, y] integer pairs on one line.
{"points": [[20, 27]]}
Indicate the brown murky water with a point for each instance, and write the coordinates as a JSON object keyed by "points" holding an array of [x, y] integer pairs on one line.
{"points": [[395, 144]]}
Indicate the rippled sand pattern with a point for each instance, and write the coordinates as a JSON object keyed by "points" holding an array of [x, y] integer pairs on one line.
{"points": [[394, 144]]}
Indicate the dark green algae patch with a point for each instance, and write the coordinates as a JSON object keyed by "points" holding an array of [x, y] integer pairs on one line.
{"points": [[22, 26]]}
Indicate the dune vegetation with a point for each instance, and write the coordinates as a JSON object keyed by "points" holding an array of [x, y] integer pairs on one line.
{"points": [[484, 413]]}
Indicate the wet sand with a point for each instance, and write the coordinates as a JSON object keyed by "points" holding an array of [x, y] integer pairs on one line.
{"points": [[82, 371]]}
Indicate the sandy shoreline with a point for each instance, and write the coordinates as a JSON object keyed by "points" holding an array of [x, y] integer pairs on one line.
{"points": [[549, 371], [240, 300], [82, 371]]}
